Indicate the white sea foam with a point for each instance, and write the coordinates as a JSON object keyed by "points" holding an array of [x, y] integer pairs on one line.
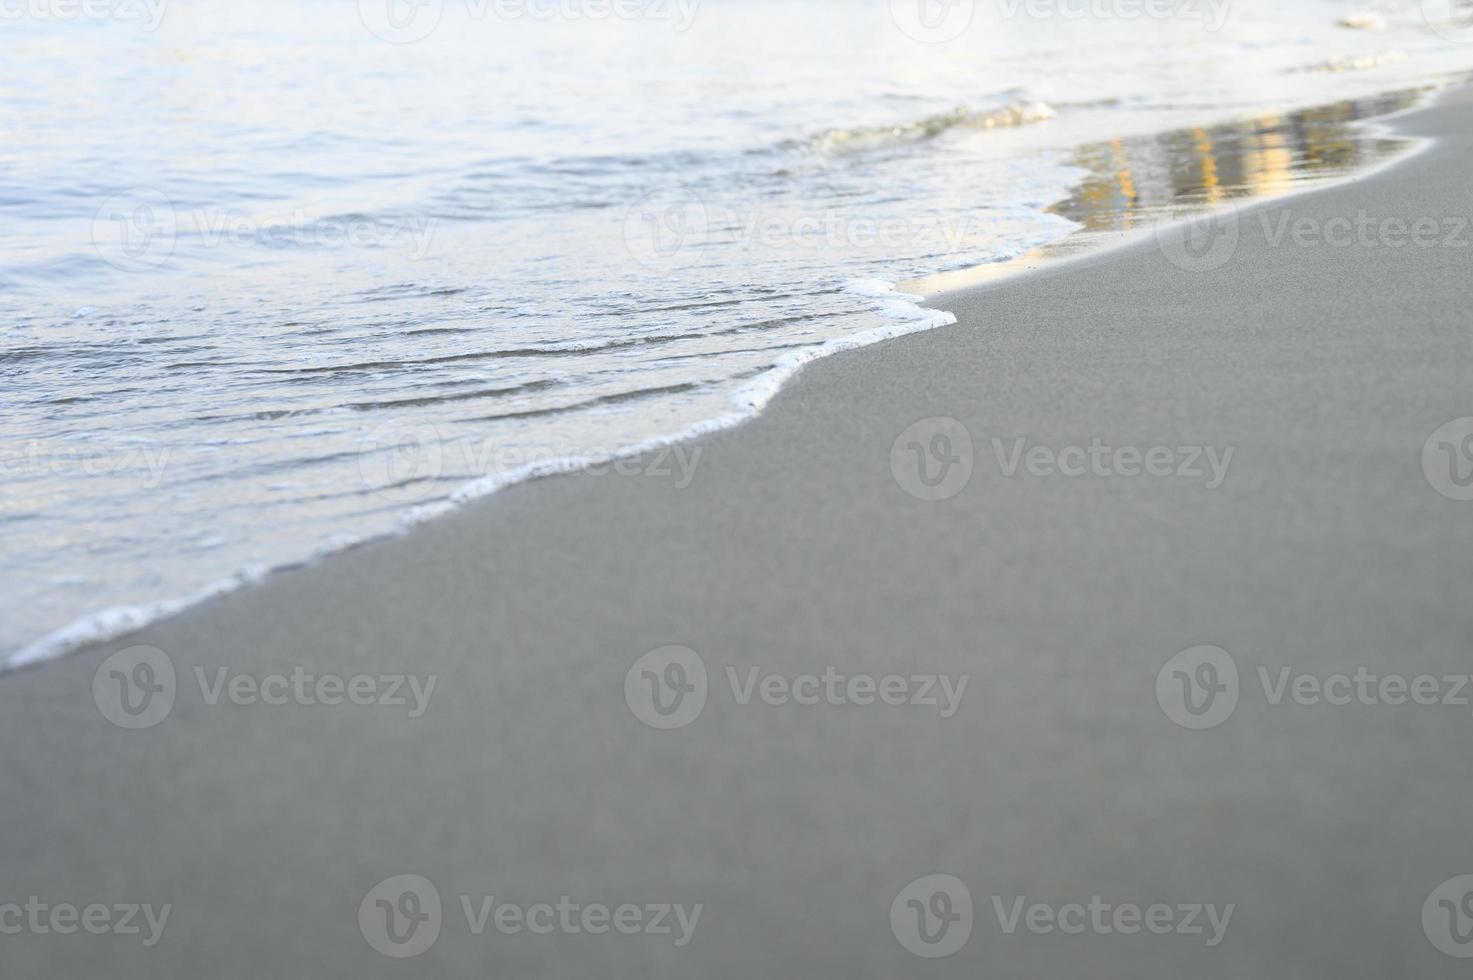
{"points": [[109, 624], [908, 316]]}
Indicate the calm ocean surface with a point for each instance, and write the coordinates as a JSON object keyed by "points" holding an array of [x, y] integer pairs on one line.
{"points": [[280, 276]]}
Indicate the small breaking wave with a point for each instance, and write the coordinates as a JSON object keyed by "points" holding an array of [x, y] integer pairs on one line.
{"points": [[1363, 20], [1362, 62], [903, 313], [839, 141]]}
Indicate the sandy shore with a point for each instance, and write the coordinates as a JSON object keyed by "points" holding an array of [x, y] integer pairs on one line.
{"points": [[802, 545]]}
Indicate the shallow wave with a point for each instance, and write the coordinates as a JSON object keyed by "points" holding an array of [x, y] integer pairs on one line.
{"points": [[1359, 62], [691, 225], [906, 315], [839, 141]]}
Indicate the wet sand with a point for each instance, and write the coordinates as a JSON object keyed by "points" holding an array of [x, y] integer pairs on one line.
{"points": [[804, 546]]}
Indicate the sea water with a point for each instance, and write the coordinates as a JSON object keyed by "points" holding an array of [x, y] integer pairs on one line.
{"points": [[280, 276]]}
